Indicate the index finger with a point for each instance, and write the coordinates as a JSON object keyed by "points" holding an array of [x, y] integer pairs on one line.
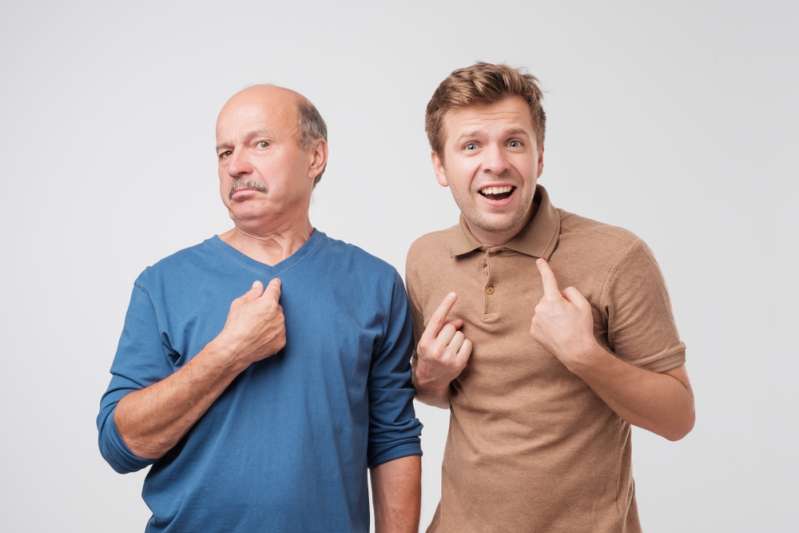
{"points": [[548, 280], [439, 316], [273, 289]]}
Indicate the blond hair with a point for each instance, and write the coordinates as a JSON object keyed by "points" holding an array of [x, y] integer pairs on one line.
{"points": [[482, 83]]}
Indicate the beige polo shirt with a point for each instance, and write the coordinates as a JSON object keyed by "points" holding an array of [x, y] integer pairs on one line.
{"points": [[530, 447]]}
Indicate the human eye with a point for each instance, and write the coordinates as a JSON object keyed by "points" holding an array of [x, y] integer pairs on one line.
{"points": [[515, 143], [262, 143], [470, 146], [223, 154]]}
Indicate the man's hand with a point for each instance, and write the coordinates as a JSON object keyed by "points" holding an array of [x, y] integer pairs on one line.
{"points": [[255, 328], [153, 419], [443, 351], [563, 322]]}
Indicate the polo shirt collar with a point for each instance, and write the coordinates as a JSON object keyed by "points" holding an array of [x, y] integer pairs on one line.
{"points": [[537, 239]]}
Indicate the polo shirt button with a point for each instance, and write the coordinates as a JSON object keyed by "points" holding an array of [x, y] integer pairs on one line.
{"points": [[490, 290]]}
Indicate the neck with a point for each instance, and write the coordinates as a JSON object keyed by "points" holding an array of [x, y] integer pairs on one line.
{"points": [[499, 238], [269, 246], [492, 238]]}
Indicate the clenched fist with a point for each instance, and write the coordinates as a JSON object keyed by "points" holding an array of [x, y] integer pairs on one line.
{"points": [[443, 350], [255, 328], [562, 322]]}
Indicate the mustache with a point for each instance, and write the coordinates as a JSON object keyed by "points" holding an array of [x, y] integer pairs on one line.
{"points": [[260, 187]]}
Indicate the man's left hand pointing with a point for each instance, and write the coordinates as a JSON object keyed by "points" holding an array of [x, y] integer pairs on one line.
{"points": [[562, 321]]}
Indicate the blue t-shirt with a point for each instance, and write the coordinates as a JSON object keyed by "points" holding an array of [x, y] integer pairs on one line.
{"points": [[286, 447]]}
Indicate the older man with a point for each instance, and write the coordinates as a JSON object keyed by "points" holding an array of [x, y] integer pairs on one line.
{"points": [[543, 383], [262, 371]]}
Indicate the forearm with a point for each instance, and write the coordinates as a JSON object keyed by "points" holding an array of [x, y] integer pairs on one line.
{"points": [[396, 494], [659, 402], [152, 420]]}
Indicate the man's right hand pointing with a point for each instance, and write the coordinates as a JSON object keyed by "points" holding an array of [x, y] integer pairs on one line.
{"points": [[443, 350]]}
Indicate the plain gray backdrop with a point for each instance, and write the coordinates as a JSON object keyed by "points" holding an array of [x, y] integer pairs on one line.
{"points": [[677, 120]]}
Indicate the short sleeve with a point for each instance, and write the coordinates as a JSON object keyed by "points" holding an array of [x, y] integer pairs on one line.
{"points": [[141, 360], [641, 328]]}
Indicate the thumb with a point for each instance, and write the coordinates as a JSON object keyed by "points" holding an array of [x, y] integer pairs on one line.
{"points": [[255, 291], [576, 297]]}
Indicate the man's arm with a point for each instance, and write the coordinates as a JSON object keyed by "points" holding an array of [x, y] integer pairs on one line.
{"points": [[563, 323], [394, 444], [152, 420], [660, 402], [396, 495]]}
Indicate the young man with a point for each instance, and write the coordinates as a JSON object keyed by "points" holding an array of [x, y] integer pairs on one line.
{"points": [[547, 334]]}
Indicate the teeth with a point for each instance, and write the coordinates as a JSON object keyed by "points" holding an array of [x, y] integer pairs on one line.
{"points": [[496, 190]]}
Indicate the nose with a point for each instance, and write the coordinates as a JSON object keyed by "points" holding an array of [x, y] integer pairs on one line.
{"points": [[238, 165], [495, 160]]}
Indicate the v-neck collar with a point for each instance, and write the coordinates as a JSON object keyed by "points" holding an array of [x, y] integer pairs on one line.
{"points": [[308, 247]]}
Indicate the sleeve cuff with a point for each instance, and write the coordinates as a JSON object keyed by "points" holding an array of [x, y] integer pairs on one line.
{"points": [[116, 452], [401, 450], [663, 361]]}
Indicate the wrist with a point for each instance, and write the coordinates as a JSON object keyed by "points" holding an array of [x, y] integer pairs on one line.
{"points": [[224, 350], [586, 358], [428, 385]]}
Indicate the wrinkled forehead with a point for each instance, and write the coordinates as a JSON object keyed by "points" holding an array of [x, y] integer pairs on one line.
{"points": [[245, 113], [509, 114]]}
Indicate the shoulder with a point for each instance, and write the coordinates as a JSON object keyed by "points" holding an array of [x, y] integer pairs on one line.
{"points": [[608, 257], [596, 243], [177, 266], [428, 262], [594, 231], [355, 256], [430, 248]]}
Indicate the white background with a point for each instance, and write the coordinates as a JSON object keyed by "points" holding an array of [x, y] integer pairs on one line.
{"points": [[678, 122]]}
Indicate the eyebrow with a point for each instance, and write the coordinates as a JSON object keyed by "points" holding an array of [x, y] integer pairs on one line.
{"points": [[467, 134], [476, 133], [517, 131], [263, 132]]}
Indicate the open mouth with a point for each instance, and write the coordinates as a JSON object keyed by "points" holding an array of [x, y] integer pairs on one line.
{"points": [[499, 192]]}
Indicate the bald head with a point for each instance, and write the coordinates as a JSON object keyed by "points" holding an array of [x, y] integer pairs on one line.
{"points": [[311, 126], [265, 95]]}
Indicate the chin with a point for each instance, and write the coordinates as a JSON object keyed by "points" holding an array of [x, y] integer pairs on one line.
{"points": [[499, 224], [248, 216]]}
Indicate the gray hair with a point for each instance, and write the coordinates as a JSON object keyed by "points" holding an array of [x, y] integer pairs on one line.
{"points": [[312, 129]]}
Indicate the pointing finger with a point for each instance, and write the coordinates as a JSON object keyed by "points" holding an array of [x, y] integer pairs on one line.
{"points": [[548, 280], [273, 289], [439, 316]]}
